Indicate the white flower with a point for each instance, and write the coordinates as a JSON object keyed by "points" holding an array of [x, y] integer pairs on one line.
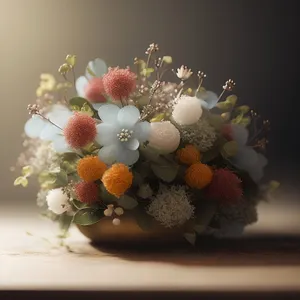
{"points": [[187, 111], [145, 191], [184, 73], [171, 206], [201, 134], [164, 136], [58, 201]]}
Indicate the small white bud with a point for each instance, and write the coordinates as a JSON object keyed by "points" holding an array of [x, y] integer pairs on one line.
{"points": [[108, 212], [116, 222], [119, 211]]}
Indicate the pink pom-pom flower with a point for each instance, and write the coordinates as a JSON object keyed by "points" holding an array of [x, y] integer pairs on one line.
{"points": [[119, 83], [224, 187], [80, 130], [94, 90], [86, 192]]}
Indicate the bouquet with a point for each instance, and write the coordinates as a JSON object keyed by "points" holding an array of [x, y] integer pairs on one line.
{"points": [[166, 152]]}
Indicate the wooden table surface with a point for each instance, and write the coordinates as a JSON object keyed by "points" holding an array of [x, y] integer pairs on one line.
{"points": [[30, 260]]}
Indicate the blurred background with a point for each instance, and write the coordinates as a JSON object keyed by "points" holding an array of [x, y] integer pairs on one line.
{"points": [[253, 42]]}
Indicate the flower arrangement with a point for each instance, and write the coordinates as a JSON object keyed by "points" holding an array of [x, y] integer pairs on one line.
{"points": [[168, 153]]}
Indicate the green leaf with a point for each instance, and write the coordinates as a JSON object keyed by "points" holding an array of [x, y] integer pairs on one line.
{"points": [[167, 59], [51, 180], [158, 118], [83, 105], [144, 220], [65, 222], [137, 179], [237, 119], [216, 121], [166, 173], [242, 109], [106, 197], [78, 204], [151, 154], [229, 149], [21, 181], [232, 99], [69, 162], [245, 121], [223, 105], [75, 108], [190, 237], [71, 60], [127, 202], [88, 216], [147, 72], [27, 171], [87, 110]]}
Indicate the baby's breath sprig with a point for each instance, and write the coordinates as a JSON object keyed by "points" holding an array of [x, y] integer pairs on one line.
{"points": [[228, 86], [201, 75], [150, 50], [34, 109]]}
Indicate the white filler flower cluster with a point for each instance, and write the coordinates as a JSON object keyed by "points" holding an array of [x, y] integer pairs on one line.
{"points": [[171, 206]]}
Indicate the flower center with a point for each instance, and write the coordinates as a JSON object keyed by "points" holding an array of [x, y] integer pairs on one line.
{"points": [[125, 135]]}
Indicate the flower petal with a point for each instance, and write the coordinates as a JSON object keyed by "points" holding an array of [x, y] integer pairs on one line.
{"points": [[108, 113], [59, 115], [240, 134], [106, 134], [108, 154], [142, 131], [208, 99], [98, 67], [128, 116], [34, 127], [49, 132], [80, 85], [126, 156], [132, 144], [246, 158], [60, 145]]}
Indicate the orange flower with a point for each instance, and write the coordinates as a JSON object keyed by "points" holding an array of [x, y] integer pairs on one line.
{"points": [[188, 155], [198, 175], [117, 180], [91, 168]]}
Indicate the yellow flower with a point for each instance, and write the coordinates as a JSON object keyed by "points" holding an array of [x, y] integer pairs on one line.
{"points": [[117, 180], [198, 175], [188, 155], [91, 168]]}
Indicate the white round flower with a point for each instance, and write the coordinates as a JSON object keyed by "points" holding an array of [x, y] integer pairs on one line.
{"points": [[171, 206], [187, 111], [164, 136], [58, 201]]}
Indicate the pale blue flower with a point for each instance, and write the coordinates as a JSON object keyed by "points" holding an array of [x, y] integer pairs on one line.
{"points": [[247, 158], [208, 99], [99, 68], [120, 134], [36, 127]]}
